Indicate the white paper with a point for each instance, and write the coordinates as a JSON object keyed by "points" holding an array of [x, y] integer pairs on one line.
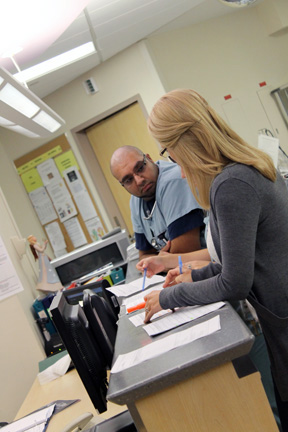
{"points": [[35, 422], [62, 200], [138, 320], [80, 193], [56, 370], [125, 290], [43, 205], [177, 318], [139, 298], [55, 236], [75, 232], [48, 172], [166, 344], [9, 281], [95, 228], [269, 145]]}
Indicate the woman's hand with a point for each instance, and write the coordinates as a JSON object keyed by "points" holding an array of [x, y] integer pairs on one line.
{"points": [[174, 277], [153, 264], [193, 265], [152, 305]]}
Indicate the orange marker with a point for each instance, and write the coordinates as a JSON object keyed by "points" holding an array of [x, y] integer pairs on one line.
{"points": [[137, 307]]}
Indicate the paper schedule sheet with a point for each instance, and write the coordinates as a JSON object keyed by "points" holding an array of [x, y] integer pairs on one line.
{"points": [[166, 344], [139, 297], [170, 320], [125, 290]]}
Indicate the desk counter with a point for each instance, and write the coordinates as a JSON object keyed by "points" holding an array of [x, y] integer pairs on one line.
{"points": [[177, 390], [232, 341], [67, 387]]}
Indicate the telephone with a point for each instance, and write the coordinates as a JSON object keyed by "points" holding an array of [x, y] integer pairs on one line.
{"points": [[79, 423]]}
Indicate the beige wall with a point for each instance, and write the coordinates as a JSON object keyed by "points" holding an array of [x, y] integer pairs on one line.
{"points": [[229, 55], [21, 349]]}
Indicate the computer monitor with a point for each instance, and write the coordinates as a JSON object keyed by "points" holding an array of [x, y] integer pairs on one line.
{"points": [[75, 295], [79, 340], [102, 321]]}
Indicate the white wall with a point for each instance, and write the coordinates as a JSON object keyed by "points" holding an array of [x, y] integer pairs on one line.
{"points": [[232, 54]]}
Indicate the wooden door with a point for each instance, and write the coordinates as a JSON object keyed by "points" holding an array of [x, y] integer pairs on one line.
{"points": [[126, 127]]}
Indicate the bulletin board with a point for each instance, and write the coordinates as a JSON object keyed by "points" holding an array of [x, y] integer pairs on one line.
{"points": [[60, 196]]}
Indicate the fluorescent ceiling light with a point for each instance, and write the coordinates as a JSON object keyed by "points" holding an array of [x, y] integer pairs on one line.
{"points": [[45, 120], [56, 62], [23, 112], [17, 100]]}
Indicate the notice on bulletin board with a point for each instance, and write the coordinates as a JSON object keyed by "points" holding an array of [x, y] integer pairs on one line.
{"points": [[31, 180], [62, 200], [9, 282], [48, 172], [79, 193], [66, 160], [75, 232], [43, 205], [56, 237], [95, 228]]}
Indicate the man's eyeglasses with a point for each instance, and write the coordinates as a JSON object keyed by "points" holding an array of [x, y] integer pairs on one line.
{"points": [[168, 156], [138, 170]]}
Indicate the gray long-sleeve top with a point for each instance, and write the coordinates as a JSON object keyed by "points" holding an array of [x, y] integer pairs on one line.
{"points": [[249, 228]]}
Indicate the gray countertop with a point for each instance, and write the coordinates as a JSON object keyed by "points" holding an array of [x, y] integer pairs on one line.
{"points": [[232, 341]]}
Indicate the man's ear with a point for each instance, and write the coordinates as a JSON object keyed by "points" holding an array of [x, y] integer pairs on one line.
{"points": [[149, 157]]}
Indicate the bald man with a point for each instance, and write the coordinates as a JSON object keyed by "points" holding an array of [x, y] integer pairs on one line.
{"points": [[162, 205]]}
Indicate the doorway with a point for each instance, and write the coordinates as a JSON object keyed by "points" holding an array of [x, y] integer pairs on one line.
{"points": [[126, 125]]}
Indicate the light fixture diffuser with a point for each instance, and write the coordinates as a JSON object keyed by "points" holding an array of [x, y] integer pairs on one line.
{"points": [[56, 62], [23, 112]]}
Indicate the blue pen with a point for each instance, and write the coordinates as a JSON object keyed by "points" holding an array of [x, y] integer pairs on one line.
{"points": [[180, 264], [144, 277]]}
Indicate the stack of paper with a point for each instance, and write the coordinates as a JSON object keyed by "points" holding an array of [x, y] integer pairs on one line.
{"points": [[35, 422], [125, 290]]}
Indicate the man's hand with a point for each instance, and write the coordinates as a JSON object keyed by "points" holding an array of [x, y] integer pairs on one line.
{"points": [[166, 248]]}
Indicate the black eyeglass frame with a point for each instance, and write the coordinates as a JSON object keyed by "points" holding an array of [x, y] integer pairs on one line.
{"points": [[137, 172], [168, 156]]}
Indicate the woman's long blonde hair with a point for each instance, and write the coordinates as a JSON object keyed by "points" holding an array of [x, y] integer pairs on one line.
{"points": [[202, 142]]}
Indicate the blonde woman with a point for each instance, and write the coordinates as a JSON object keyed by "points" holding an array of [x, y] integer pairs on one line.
{"points": [[248, 208]]}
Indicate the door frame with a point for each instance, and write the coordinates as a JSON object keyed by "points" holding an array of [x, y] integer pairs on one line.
{"points": [[91, 162]]}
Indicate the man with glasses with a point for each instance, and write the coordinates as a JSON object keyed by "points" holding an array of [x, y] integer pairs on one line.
{"points": [[164, 212]]}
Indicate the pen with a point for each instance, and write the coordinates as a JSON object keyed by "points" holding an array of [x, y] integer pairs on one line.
{"points": [[144, 277], [137, 307], [180, 264]]}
